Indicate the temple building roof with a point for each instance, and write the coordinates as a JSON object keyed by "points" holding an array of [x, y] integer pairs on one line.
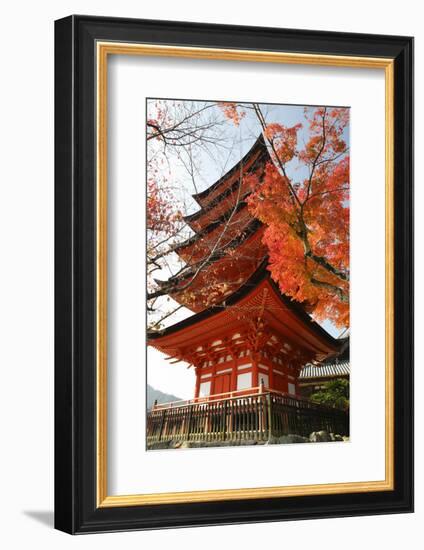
{"points": [[330, 368], [333, 369]]}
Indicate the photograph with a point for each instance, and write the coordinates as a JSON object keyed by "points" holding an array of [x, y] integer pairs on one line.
{"points": [[247, 273]]}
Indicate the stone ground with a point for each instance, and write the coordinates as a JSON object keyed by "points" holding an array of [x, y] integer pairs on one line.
{"points": [[321, 436]]}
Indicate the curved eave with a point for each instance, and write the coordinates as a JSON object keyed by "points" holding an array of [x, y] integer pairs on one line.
{"points": [[226, 193], [248, 232], [259, 144], [211, 227], [258, 276]]}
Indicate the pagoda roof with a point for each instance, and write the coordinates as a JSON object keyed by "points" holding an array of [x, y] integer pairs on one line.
{"points": [[209, 228], [200, 250], [199, 213], [247, 232], [257, 146], [258, 294]]}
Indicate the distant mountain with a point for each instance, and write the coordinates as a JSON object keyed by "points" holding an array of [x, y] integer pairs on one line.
{"points": [[161, 397]]}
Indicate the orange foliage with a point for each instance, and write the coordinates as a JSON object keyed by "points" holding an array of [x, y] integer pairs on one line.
{"points": [[232, 111], [161, 216], [307, 232]]}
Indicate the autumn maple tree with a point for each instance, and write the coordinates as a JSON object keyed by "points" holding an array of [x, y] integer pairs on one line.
{"points": [[177, 132], [306, 217]]}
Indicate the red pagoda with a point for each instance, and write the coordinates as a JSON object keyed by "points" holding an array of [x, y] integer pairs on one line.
{"points": [[245, 337]]}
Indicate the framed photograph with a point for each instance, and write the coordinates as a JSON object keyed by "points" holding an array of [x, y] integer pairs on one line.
{"points": [[234, 274]]}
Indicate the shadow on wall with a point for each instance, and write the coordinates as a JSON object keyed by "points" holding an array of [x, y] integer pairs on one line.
{"points": [[46, 517]]}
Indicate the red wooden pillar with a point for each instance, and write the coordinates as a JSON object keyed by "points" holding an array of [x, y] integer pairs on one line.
{"points": [[213, 379], [255, 371], [233, 382], [285, 371], [271, 375], [197, 388], [296, 374]]}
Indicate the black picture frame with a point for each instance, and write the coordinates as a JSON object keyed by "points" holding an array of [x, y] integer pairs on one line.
{"points": [[76, 508]]}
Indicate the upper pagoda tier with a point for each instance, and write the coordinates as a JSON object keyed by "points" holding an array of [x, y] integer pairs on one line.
{"points": [[247, 163], [226, 247]]}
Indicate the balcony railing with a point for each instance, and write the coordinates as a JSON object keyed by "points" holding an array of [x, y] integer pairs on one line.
{"points": [[257, 414]]}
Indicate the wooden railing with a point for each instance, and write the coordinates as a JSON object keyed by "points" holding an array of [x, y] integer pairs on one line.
{"points": [[254, 417], [215, 397]]}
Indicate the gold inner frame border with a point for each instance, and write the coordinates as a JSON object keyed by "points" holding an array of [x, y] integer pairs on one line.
{"points": [[103, 50]]}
